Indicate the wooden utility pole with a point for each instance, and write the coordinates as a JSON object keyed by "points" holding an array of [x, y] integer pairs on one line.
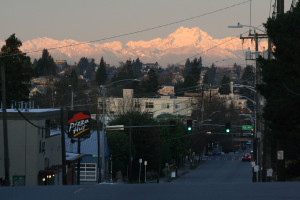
{"points": [[280, 140], [280, 7], [63, 148], [257, 139], [5, 134]]}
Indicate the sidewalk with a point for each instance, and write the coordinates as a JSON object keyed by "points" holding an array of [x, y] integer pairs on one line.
{"points": [[180, 172]]}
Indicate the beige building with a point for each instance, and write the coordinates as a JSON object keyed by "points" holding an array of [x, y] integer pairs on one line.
{"points": [[34, 155], [178, 106]]}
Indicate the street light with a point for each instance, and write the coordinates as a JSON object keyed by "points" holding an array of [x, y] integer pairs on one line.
{"points": [[104, 88], [140, 161], [145, 163], [242, 26]]}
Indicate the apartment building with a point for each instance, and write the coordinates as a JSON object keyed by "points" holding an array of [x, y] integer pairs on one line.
{"points": [[177, 106]]}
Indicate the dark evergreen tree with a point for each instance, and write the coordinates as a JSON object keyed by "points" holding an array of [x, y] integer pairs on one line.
{"points": [[45, 65], [18, 70], [187, 68], [281, 86], [238, 70], [82, 65], [210, 76], [101, 74], [193, 76], [225, 85], [90, 70], [248, 78], [137, 68], [152, 82], [125, 72]]}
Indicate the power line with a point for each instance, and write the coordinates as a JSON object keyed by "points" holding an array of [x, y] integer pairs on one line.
{"points": [[131, 33]]}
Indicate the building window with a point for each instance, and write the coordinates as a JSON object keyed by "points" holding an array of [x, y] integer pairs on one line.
{"points": [[177, 105], [137, 104], [149, 105]]}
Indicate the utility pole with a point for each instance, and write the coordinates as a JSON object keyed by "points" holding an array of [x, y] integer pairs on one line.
{"points": [[78, 161], [98, 142], [280, 6], [63, 147], [130, 153], [103, 134], [280, 139], [5, 131], [257, 140]]}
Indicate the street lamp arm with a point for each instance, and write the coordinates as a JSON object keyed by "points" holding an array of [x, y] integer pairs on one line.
{"points": [[242, 25], [246, 86]]}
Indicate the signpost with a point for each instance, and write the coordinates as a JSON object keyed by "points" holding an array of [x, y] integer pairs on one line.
{"points": [[79, 124], [247, 127], [280, 155]]}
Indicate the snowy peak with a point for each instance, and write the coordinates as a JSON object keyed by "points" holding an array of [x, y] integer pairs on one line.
{"points": [[182, 43]]}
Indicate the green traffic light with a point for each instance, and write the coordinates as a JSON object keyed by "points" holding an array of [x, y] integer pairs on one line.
{"points": [[189, 128], [227, 130]]}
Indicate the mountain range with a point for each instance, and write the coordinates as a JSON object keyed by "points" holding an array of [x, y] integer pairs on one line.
{"points": [[173, 49]]}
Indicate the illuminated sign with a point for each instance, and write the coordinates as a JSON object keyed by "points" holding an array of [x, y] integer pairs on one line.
{"points": [[79, 124]]}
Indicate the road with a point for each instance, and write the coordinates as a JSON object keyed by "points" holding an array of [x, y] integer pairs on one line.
{"points": [[220, 169], [217, 178]]}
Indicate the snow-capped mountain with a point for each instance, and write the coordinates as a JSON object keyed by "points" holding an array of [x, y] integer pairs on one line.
{"points": [[175, 48]]}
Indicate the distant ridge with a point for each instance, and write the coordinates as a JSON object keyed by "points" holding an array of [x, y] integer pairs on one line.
{"points": [[177, 46]]}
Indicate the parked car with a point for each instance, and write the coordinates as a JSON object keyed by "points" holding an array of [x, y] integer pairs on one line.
{"points": [[216, 152], [246, 157]]}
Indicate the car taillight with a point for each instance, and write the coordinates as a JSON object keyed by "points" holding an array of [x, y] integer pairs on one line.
{"points": [[249, 157], [243, 157]]}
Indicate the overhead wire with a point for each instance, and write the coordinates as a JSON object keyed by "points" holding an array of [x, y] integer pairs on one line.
{"points": [[130, 33]]}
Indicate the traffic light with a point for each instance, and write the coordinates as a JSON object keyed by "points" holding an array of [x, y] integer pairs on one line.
{"points": [[252, 132], [189, 125], [227, 127]]}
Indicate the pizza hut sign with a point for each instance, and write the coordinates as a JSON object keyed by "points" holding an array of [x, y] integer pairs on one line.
{"points": [[79, 124]]}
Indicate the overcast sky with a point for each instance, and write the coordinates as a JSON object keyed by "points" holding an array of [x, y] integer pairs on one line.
{"points": [[87, 20]]}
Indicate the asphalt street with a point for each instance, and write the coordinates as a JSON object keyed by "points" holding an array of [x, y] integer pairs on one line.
{"points": [[217, 178]]}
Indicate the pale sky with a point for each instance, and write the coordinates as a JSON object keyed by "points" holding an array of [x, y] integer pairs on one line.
{"points": [[87, 20]]}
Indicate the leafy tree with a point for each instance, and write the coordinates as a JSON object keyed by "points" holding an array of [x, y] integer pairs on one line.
{"points": [[18, 71], [45, 65], [225, 85], [145, 141], [82, 65], [101, 74]]}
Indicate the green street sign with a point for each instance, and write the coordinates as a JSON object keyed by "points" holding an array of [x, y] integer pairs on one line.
{"points": [[247, 127]]}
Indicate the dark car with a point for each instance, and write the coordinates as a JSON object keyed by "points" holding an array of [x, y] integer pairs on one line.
{"points": [[246, 157]]}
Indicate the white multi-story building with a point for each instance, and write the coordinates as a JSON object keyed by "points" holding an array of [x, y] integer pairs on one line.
{"points": [[177, 106]]}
